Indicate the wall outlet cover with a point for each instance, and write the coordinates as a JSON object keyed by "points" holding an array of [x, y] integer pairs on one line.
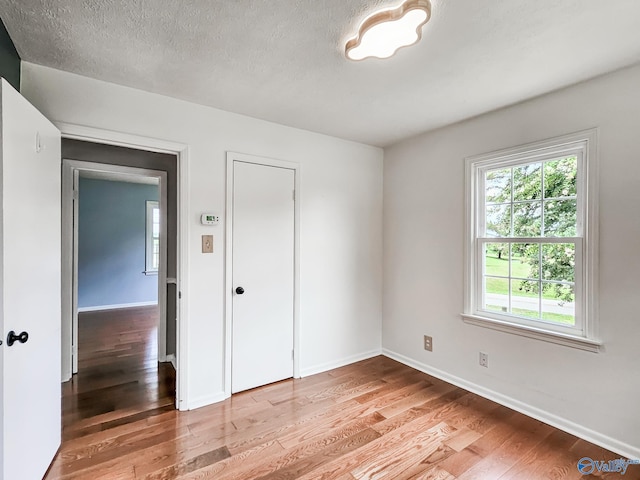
{"points": [[207, 243], [484, 359]]}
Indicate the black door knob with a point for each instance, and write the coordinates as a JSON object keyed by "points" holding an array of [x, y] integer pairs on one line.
{"points": [[13, 338], [239, 290]]}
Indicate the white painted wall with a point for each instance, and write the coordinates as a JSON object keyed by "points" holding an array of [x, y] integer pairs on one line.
{"points": [[595, 395], [341, 223]]}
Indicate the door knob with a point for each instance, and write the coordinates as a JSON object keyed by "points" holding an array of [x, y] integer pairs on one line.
{"points": [[12, 338], [239, 290]]}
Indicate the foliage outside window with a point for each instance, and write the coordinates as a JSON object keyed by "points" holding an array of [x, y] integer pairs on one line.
{"points": [[152, 237], [528, 261]]}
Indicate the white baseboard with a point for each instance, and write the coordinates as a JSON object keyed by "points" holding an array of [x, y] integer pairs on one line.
{"points": [[113, 307], [219, 397], [205, 400], [172, 358], [305, 372], [621, 448]]}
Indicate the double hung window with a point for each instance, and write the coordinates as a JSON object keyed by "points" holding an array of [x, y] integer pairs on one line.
{"points": [[531, 240]]}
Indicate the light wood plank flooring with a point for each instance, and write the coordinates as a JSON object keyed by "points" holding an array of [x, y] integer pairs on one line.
{"points": [[376, 419]]}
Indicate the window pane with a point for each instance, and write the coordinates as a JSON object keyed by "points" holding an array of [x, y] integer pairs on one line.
{"points": [[152, 236], [525, 299], [560, 177], [498, 221], [496, 259], [156, 222], [496, 294], [560, 218], [558, 304], [559, 262], [526, 219], [527, 182], [525, 260], [156, 253], [498, 185]]}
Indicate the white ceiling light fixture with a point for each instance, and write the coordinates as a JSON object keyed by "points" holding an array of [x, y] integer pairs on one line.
{"points": [[384, 32]]}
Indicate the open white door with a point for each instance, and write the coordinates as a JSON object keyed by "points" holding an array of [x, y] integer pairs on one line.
{"points": [[263, 274], [30, 291]]}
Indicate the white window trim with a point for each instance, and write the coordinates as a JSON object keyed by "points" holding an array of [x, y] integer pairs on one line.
{"points": [[586, 141], [148, 235]]}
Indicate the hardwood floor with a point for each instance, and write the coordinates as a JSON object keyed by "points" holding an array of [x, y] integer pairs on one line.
{"points": [[373, 419], [119, 378]]}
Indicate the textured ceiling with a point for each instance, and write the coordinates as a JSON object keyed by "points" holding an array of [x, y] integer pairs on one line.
{"points": [[282, 60]]}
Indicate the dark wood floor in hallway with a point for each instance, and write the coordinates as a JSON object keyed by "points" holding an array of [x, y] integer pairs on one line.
{"points": [[119, 378], [375, 419]]}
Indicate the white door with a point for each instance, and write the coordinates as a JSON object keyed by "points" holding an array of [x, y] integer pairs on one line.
{"points": [[263, 275], [30, 289]]}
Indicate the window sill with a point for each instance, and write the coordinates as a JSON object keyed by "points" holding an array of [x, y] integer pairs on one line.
{"points": [[150, 272], [573, 341]]}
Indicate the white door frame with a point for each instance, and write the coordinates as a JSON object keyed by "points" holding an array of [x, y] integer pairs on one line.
{"points": [[228, 285], [121, 139], [71, 170]]}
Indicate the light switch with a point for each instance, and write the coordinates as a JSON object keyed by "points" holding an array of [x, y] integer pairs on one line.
{"points": [[207, 243]]}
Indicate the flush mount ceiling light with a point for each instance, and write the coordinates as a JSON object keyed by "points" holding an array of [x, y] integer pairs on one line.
{"points": [[384, 32]]}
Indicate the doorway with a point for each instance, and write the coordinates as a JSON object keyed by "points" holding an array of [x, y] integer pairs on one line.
{"points": [[118, 243], [262, 281], [136, 336]]}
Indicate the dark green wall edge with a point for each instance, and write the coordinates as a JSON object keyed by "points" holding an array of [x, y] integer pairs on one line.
{"points": [[9, 59]]}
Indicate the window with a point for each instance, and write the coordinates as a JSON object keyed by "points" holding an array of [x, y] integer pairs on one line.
{"points": [[531, 232], [152, 238]]}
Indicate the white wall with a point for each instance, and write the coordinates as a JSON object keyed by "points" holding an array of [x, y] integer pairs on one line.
{"points": [[341, 221], [594, 395]]}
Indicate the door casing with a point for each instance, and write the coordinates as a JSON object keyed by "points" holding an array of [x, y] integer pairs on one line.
{"points": [[70, 173], [181, 151], [241, 157]]}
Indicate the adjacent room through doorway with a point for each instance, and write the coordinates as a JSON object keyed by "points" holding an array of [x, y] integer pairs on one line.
{"points": [[119, 355]]}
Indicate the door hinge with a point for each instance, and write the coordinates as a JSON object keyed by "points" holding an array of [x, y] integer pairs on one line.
{"points": [[179, 295], [292, 354], [75, 194], [294, 195]]}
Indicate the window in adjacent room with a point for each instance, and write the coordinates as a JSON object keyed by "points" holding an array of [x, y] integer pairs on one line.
{"points": [[531, 233], [152, 238]]}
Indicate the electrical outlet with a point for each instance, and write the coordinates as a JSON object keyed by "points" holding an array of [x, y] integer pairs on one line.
{"points": [[428, 343], [484, 360]]}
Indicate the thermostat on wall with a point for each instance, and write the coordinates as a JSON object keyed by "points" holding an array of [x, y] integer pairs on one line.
{"points": [[209, 219]]}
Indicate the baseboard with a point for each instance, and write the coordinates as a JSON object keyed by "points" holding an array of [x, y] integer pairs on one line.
{"points": [[113, 307], [172, 358], [305, 372], [205, 400], [219, 397], [621, 448]]}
